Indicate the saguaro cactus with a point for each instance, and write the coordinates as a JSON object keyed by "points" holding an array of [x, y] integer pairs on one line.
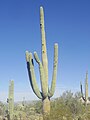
{"points": [[85, 98], [11, 100], [45, 94], [86, 87]]}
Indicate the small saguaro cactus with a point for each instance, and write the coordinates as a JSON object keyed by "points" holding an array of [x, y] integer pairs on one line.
{"points": [[11, 100], [85, 98], [86, 87], [45, 94]]}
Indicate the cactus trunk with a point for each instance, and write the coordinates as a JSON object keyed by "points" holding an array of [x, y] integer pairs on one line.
{"points": [[11, 100], [45, 94], [46, 107], [86, 88], [44, 51]]}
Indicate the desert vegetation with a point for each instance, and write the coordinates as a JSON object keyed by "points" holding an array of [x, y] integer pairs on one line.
{"points": [[66, 107], [69, 106], [46, 93]]}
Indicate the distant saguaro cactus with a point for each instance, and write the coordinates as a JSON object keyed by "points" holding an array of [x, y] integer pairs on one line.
{"points": [[85, 98], [11, 100], [45, 94]]}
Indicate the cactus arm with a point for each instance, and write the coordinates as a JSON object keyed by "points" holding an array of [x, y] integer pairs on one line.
{"points": [[82, 91], [53, 84], [37, 59], [42, 77], [44, 52], [30, 67]]}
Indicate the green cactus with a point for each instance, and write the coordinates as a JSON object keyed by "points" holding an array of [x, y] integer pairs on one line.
{"points": [[45, 94], [86, 87], [82, 91], [85, 98], [11, 100]]}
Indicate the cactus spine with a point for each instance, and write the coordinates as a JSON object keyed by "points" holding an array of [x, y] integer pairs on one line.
{"points": [[45, 94], [11, 100], [85, 99]]}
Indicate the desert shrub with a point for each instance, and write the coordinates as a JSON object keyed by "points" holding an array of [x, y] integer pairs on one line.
{"points": [[67, 107], [38, 107]]}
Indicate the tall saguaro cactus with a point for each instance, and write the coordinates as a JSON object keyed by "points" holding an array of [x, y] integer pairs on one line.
{"points": [[11, 100], [45, 94], [85, 98]]}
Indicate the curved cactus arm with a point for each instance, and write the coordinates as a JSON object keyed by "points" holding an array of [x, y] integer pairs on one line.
{"points": [[53, 84], [30, 67], [42, 77], [82, 91], [37, 59]]}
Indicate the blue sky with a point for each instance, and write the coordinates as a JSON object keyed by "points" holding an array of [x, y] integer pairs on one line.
{"points": [[67, 22]]}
